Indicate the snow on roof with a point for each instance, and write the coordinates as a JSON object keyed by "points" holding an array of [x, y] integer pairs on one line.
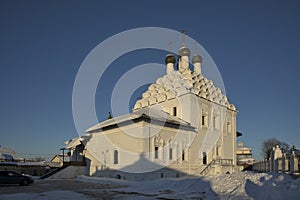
{"points": [[246, 159], [61, 157], [7, 152], [244, 148], [151, 113], [176, 84], [24, 163], [5, 156], [72, 143]]}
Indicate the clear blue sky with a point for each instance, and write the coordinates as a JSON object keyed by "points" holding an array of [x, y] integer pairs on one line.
{"points": [[255, 45]]}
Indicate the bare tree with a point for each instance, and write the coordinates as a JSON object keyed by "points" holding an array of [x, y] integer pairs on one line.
{"points": [[268, 144]]}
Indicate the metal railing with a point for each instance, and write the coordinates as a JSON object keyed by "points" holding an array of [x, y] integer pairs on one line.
{"points": [[222, 162], [75, 163], [207, 168]]}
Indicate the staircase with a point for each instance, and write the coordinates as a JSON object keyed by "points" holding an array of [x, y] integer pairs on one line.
{"points": [[207, 168], [220, 162], [53, 172]]}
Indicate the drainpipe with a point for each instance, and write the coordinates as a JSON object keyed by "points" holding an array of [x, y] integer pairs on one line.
{"points": [[149, 141]]}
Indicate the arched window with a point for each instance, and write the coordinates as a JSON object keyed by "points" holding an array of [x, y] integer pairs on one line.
{"points": [[204, 158], [216, 121], [156, 153], [174, 111], [170, 153], [204, 118], [158, 150], [116, 157], [228, 127]]}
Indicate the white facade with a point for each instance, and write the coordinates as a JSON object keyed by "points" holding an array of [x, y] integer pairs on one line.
{"points": [[182, 125]]}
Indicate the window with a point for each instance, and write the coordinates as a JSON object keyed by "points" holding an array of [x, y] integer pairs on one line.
{"points": [[216, 122], [156, 153], [204, 158], [116, 157], [183, 158], [204, 120], [174, 111], [228, 127], [170, 153], [118, 176]]}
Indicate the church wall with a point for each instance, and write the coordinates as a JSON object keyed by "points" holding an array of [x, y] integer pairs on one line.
{"points": [[157, 174], [229, 137], [128, 138], [190, 108], [176, 140], [130, 148], [168, 106], [164, 138]]}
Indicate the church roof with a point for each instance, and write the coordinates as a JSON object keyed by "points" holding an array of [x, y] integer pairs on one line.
{"points": [[179, 83], [146, 113]]}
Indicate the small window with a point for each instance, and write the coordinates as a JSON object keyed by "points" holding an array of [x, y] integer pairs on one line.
{"points": [[228, 127], [183, 155], [174, 111], [156, 153], [204, 121], [171, 154], [118, 176], [204, 158], [216, 122], [116, 157]]}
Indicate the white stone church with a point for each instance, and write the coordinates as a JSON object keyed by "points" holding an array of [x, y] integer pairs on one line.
{"points": [[182, 125]]}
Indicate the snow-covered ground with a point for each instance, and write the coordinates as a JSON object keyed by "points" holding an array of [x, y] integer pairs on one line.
{"points": [[242, 185], [59, 194]]}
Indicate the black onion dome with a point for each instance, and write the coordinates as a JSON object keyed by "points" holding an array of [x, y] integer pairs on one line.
{"points": [[184, 51], [170, 58], [197, 59]]}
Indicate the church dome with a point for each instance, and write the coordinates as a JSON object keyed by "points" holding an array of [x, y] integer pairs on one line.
{"points": [[197, 59], [170, 58], [178, 83], [184, 51]]}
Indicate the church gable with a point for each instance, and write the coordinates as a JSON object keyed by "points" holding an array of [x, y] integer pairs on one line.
{"points": [[153, 116]]}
